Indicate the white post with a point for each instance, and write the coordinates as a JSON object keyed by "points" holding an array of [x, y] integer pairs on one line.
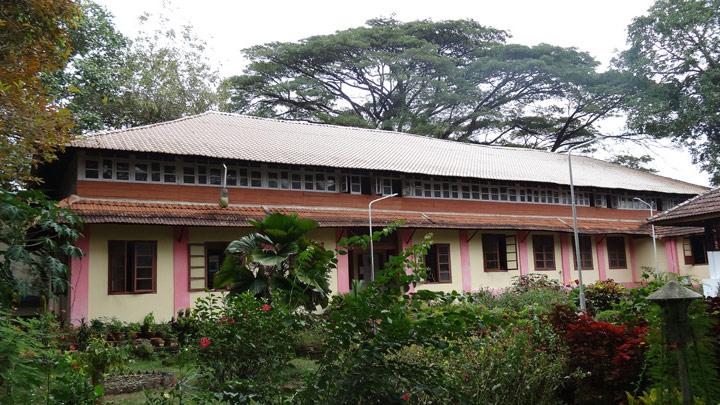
{"points": [[578, 263], [372, 251], [654, 238]]}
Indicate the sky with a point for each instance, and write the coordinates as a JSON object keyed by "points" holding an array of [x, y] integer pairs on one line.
{"points": [[597, 27]]}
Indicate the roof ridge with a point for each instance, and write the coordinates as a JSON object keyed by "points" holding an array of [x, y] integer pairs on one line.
{"points": [[145, 126], [432, 138]]}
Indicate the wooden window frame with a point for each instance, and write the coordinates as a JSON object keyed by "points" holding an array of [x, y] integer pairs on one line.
{"points": [[535, 238], [500, 258], [211, 245], [689, 250], [153, 243], [590, 252], [437, 264], [616, 266]]}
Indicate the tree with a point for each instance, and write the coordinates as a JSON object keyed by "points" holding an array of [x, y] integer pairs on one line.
{"points": [[278, 258], [113, 82], [449, 79], [677, 45], [34, 40], [35, 236], [634, 162]]}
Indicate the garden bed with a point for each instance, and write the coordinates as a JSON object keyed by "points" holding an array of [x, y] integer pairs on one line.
{"points": [[134, 382]]}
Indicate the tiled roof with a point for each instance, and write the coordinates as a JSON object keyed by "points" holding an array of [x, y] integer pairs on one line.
{"points": [[197, 214], [232, 136], [672, 231], [703, 206]]}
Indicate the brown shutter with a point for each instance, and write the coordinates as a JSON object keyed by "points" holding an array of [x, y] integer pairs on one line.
{"points": [[196, 263], [687, 251], [511, 249]]}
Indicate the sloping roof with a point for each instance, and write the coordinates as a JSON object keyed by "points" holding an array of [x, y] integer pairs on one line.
{"points": [[692, 211], [198, 214], [232, 136]]}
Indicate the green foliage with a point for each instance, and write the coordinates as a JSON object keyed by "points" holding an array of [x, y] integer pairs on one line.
{"points": [[700, 357], [242, 342], [35, 370], [634, 162], [35, 42], [112, 81], [675, 45], [602, 295], [35, 236], [451, 79], [279, 258], [100, 356]]}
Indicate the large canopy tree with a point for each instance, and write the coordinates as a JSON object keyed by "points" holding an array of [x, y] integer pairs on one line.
{"points": [[34, 40], [677, 45], [449, 79]]}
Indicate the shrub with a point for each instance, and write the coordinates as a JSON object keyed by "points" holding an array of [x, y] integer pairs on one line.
{"points": [[612, 355], [534, 300], [534, 281], [100, 357], [240, 338], [602, 295]]}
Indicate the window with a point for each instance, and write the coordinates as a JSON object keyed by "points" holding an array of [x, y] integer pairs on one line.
{"points": [[616, 252], [437, 261], [189, 175], [694, 250], [131, 267], [91, 169], [255, 179], [169, 174], [544, 251], [494, 252], [586, 256], [214, 258], [141, 172], [122, 171], [107, 169]]}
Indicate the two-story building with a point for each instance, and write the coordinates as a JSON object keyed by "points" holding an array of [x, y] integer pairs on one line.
{"points": [[155, 232]]}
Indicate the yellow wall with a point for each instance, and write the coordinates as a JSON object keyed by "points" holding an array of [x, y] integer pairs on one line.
{"points": [[130, 307], [553, 274], [620, 275], [697, 272], [482, 279], [452, 238], [133, 307]]}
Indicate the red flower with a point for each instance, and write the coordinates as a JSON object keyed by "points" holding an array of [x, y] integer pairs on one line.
{"points": [[265, 307], [405, 396], [205, 342]]}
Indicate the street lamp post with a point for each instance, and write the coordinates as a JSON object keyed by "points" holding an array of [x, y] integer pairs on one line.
{"points": [[372, 251], [652, 226], [581, 286]]}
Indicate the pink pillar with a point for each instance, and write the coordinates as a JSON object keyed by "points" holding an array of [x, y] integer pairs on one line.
{"points": [[633, 261], [80, 281], [405, 236], [565, 251], [343, 265], [181, 269], [523, 252], [602, 264], [465, 261], [671, 255]]}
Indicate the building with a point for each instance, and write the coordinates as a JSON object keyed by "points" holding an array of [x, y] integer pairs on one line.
{"points": [[155, 232], [698, 219]]}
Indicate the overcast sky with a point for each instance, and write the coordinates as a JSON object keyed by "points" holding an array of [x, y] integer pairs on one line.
{"points": [[228, 26]]}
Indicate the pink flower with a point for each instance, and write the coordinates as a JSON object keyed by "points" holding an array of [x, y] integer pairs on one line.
{"points": [[205, 342], [265, 307], [405, 396]]}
